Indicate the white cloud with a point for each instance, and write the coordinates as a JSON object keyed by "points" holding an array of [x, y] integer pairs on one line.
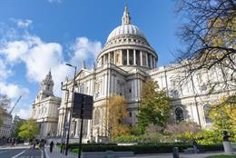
{"points": [[85, 50], [55, 1], [14, 50], [38, 58], [23, 112], [13, 91], [4, 72], [24, 23]]}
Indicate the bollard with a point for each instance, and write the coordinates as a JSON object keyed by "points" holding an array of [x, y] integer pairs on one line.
{"points": [[227, 147], [175, 152], [109, 154]]}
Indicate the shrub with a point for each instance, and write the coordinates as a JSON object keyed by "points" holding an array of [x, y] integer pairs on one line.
{"points": [[144, 148], [127, 139], [209, 137]]}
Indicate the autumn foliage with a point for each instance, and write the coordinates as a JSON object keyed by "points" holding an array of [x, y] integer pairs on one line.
{"points": [[117, 113], [223, 115]]}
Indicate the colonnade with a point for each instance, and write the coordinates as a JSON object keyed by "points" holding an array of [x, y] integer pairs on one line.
{"points": [[129, 57]]}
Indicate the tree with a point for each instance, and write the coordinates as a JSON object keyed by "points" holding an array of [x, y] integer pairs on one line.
{"points": [[4, 104], [16, 130], [154, 107], [209, 32], [29, 129], [223, 115], [117, 113]]}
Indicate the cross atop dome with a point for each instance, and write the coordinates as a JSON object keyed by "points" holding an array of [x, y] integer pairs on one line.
{"points": [[126, 18]]}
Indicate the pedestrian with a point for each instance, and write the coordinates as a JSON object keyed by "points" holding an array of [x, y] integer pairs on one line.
{"points": [[195, 146], [34, 144], [51, 146], [62, 147]]}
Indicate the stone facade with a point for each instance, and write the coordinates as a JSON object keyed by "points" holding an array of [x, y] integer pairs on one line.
{"points": [[191, 96], [123, 65], [45, 108], [5, 129]]}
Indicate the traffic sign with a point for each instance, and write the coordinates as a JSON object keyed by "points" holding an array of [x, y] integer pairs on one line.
{"points": [[85, 103]]}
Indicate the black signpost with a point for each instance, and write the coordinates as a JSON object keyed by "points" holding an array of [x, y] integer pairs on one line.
{"points": [[83, 109]]}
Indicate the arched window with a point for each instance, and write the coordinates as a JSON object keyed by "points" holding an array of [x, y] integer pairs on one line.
{"points": [[206, 109], [96, 117], [179, 115]]}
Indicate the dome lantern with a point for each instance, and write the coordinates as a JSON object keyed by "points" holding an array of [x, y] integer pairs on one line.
{"points": [[126, 18]]}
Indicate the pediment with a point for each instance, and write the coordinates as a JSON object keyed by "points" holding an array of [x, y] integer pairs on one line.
{"points": [[83, 73]]}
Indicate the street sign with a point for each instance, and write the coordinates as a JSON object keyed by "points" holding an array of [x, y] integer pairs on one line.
{"points": [[85, 103]]}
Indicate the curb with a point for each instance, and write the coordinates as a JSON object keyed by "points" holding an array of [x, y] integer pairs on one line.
{"points": [[46, 153]]}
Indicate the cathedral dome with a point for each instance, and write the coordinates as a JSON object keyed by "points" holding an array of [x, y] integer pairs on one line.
{"points": [[125, 30], [127, 46]]}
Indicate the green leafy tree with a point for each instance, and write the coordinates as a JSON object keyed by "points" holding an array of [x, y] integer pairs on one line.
{"points": [[223, 115], [117, 113], [154, 107], [16, 131], [29, 129], [209, 137]]}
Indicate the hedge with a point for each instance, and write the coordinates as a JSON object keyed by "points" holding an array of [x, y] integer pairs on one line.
{"points": [[142, 148]]}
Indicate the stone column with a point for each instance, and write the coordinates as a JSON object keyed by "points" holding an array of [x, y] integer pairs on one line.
{"points": [[134, 56], [106, 58], [154, 63], [127, 56], [141, 58], [121, 57], [103, 60], [109, 57], [147, 64], [151, 64]]}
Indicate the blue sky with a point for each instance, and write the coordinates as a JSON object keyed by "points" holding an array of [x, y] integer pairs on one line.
{"points": [[38, 35]]}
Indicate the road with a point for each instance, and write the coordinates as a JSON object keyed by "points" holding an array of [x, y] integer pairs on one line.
{"points": [[21, 153]]}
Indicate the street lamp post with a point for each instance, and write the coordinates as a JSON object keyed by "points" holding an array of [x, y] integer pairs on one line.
{"points": [[72, 102], [65, 116]]}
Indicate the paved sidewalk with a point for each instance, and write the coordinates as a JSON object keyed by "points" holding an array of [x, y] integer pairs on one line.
{"points": [[18, 146], [56, 153], [181, 155]]}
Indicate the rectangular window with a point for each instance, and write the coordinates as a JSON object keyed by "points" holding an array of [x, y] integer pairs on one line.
{"points": [[149, 61], [144, 58], [112, 57], [130, 114], [138, 57], [124, 56], [131, 57]]}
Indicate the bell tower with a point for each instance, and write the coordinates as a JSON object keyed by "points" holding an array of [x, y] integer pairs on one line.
{"points": [[46, 88]]}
